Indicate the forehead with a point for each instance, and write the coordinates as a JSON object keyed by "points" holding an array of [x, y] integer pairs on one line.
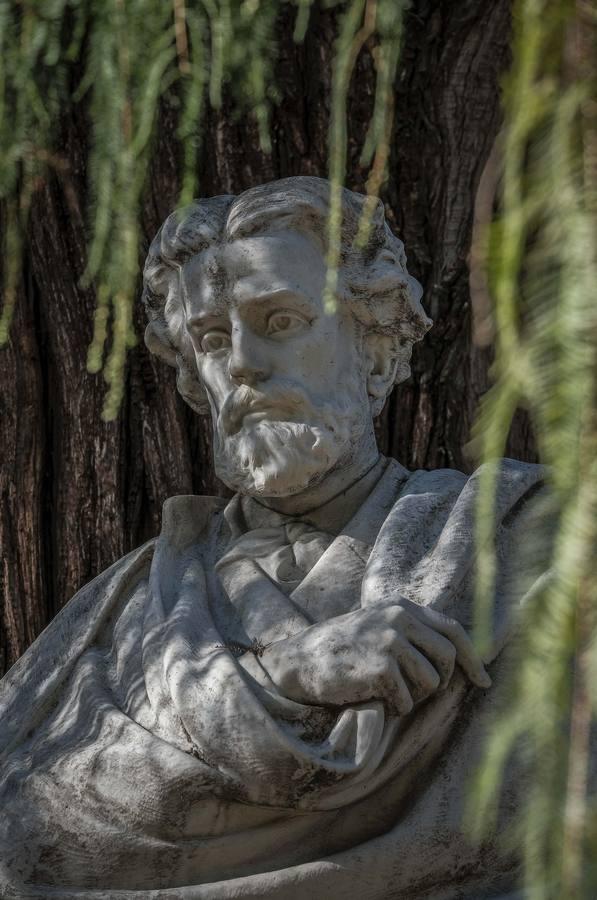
{"points": [[247, 268]]}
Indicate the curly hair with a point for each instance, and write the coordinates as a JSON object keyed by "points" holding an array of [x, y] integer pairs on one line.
{"points": [[373, 279]]}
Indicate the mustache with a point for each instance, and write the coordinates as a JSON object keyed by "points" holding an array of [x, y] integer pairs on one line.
{"points": [[283, 398]]}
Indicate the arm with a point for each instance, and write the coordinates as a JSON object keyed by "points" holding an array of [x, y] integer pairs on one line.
{"points": [[401, 653]]}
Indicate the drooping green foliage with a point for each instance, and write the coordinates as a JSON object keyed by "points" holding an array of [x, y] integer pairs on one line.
{"points": [[361, 19], [120, 57], [542, 258]]}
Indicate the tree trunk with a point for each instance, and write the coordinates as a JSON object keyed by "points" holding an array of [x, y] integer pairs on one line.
{"points": [[77, 493]]}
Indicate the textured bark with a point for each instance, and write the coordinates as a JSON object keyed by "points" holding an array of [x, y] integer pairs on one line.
{"points": [[24, 557], [77, 493]]}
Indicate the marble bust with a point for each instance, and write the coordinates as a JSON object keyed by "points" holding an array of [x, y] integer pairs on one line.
{"points": [[278, 696]]}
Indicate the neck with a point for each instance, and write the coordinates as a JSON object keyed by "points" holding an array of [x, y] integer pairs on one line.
{"points": [[343, 476]]}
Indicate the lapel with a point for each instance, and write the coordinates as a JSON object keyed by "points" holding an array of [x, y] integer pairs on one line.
{"points": [[251, 607], [333, 586]]}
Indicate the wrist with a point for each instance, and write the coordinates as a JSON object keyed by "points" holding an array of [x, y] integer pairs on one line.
{"points": [[253, 666]]}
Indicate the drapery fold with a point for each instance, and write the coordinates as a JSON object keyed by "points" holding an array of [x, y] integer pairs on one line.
{"points": [[138, 754]]}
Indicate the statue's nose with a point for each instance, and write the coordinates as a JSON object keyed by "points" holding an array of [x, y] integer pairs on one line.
{"points": [[248, 364]]}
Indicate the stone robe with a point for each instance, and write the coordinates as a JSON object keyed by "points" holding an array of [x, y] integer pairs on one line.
{"points": [[139, 758]]}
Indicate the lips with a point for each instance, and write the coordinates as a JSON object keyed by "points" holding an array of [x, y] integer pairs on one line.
{"points": [[239, 413], [246, 406], [254, 413]]}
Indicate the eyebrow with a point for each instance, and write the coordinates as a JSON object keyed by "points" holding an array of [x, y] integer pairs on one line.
{"points": [[219, 311], [277, 294]]}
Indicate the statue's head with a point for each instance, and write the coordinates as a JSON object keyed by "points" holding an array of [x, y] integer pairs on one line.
{"points": [[234, 292]]}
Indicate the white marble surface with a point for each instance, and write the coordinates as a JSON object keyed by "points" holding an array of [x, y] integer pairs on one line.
{"points": [[277, 697]]}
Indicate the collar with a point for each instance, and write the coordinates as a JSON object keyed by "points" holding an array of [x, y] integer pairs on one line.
{"points": [[330, 517]]}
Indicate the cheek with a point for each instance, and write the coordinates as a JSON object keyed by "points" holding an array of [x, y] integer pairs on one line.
{"points": [[341, 355], [316, 356]]}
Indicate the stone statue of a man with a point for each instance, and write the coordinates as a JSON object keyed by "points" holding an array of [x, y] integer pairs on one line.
{"points": [[278, 696]]}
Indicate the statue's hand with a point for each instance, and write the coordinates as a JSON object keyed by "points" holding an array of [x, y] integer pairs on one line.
{"points": [[401, 653]]}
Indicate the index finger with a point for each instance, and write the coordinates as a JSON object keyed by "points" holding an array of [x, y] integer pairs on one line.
{"points": [[467, 657]]}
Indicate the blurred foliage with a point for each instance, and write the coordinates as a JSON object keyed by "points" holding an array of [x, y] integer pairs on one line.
{"points": [[121, 57], [542, 268], [361, 20]]}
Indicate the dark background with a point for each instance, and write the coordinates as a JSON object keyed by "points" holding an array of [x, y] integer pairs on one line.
{"points": [[77, 493]]}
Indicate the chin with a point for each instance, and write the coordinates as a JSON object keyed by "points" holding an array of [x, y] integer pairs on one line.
{"points": [[279, 459]]}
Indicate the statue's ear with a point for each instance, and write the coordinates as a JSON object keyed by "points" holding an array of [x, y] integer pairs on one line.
{"points": [[388, 363], [157, 345], [381, 355]]}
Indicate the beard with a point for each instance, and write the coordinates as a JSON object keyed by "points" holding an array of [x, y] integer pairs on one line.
{"points": [[278, 443]]}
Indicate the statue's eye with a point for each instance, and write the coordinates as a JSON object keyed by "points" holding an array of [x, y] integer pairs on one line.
{"points": [[212, 341], [286, 323]]}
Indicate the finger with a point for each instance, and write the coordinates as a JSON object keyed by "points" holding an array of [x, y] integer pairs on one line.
{"points": [[466, 655], [440, 652], [424, 679], [395, 690]]}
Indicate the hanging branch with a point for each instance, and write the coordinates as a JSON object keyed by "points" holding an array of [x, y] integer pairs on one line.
{"points": [[135, 52], [543, 267]]}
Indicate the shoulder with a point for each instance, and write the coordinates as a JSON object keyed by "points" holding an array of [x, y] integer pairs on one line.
{"points": [[35, 677], [509, 477], [440, 498], [189, 518], [185, 518]]}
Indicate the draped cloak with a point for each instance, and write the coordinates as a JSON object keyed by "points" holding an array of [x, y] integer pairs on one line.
{"points": [[139, 757]]}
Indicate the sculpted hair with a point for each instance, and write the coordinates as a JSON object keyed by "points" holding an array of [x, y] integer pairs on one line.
{"points": [[373, 281]]}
